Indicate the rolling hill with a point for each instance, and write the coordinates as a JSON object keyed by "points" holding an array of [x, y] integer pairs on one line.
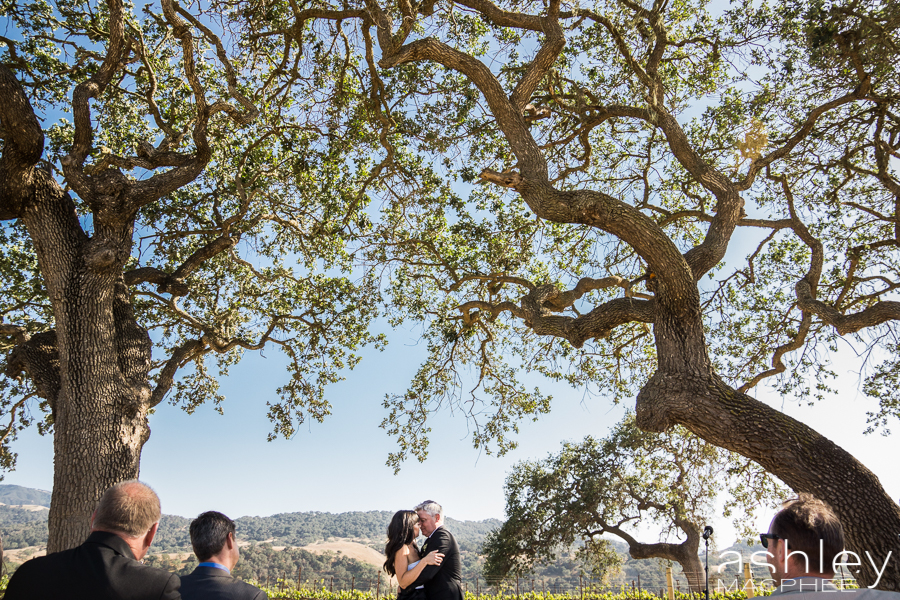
{"points": [[319, 546]]}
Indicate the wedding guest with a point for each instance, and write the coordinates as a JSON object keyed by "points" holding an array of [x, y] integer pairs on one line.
{"points": [[802, 542], [212, 537], [106, 566]]}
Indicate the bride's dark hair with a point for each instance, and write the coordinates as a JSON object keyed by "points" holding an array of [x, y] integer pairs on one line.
{"points": [[400, 532]]}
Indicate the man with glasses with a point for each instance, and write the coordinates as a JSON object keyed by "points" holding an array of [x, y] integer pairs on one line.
{"points": [[803, 540]]}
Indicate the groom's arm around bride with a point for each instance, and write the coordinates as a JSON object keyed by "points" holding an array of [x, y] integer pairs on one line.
{"points": [[443, 581]]}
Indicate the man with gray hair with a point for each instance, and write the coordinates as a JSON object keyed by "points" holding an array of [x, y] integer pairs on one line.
{"points": [[212, 537], [106, 566], [443, 581]]}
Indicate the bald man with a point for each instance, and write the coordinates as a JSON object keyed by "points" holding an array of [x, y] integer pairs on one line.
{"points": [[106, 566]]}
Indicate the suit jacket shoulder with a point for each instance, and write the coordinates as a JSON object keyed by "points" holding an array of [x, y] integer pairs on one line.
{"points": [[102, 568], [442, 582], [210, 583], [441, 540]]}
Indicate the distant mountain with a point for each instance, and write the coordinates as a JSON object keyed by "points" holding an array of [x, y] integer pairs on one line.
{"points": [[18, 526], [16, 494], [303, 528], [22, 528]]}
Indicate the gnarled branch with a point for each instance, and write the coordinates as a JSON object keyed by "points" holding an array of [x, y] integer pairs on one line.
{"points": [[24, 144], [173, 283], [880, 312], [39, 358], [180, 357]]}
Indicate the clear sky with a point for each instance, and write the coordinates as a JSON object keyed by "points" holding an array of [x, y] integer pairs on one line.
{"points": [[207, 461]]}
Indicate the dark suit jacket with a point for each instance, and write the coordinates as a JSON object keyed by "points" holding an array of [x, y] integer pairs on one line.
{"points": [[102, 568], [443, 581], [210, 583]]}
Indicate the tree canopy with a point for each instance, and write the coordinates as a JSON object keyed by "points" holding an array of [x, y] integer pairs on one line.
{"points": [[549, 187], [558, 186]]}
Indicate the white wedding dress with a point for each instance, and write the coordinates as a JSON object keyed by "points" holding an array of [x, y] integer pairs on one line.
{"points": [[412, 566]]}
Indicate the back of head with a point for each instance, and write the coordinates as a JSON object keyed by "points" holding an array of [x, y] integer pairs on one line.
{"points": [[209, 531], [803, 522], [432, 508], [401, 531], [129, 508]]}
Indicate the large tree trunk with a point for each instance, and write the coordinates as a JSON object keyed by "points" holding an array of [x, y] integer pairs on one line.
{"points": [[100, 421], [93, 368], [685, 553], [686, 391]]}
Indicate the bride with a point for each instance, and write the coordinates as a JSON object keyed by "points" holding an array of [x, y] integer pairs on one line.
{"points": [[403, 556]]}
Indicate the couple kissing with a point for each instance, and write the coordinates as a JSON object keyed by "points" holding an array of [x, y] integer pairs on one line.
{"points": [[432, 572]]}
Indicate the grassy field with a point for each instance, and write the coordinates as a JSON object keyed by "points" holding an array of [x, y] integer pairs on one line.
{"points": [[284, 591]]}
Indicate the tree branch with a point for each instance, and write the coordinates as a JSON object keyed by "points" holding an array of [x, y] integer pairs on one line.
{"points": [[73, 163], [183, 354], [173, 283], [161, 184], [503, 18], [597, 324], [39, 358], [509, 117], [544, 60], [777, 365], [879, 313], [24, 145], [757, 165]]}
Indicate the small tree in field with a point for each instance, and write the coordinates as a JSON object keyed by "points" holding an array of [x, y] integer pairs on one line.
{"points": [[612, 486]]}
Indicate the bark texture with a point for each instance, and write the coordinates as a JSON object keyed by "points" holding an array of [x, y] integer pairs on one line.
{"points": [[93, 367]]}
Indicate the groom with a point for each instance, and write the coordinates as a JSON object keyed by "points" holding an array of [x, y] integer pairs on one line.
{"points": [[443, 581]]}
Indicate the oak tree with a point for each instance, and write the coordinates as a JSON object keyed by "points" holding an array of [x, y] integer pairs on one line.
{"points": [[558, 187], [146, 242]]}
